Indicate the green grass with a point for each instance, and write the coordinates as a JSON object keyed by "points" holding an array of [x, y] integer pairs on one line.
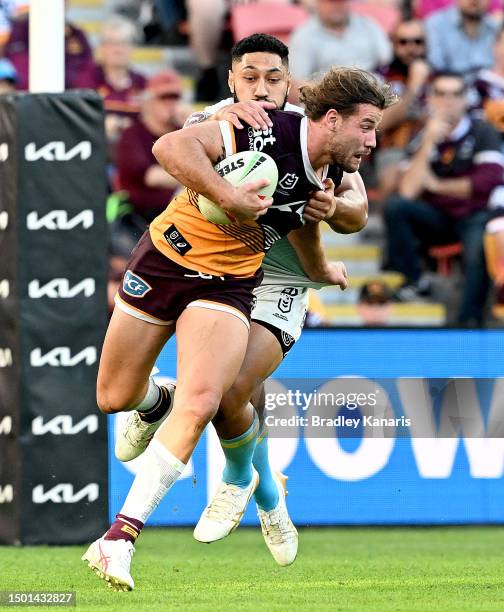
{"points": [[379, 569]]}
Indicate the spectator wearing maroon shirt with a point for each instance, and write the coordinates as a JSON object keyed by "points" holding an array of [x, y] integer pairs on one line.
{"points": [[113, 78], [150, 188], [443, 194], [78, 54]]}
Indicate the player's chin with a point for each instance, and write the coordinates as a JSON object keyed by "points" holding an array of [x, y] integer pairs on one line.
{"points": [[352, 164]]}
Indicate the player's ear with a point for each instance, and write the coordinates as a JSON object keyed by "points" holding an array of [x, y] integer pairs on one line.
{"points": [[231, 81], [333, 119]]}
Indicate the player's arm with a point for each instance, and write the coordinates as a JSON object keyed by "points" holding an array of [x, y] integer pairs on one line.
{"points": [[252, 112], [308, 245], [345, 208], [189, 156]]}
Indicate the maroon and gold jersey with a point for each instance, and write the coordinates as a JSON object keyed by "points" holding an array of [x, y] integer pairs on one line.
{"points": [[184, 235]]}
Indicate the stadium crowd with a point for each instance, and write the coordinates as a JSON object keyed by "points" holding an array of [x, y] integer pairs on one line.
{"points": [[436, 177]]}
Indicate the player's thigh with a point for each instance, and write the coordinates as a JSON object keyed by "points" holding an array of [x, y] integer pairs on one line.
{"points": [[211, 345], [129, 352], [262, 358], [277, 321]]}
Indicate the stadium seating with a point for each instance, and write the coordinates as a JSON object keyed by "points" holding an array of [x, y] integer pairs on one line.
{"points": [[269, 18]]}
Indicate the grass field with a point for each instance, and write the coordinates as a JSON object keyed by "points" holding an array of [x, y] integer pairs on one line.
{"points": [[337, 569]]}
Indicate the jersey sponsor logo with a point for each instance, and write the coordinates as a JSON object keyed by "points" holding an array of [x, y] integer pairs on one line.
{"points": [[6, 494], [63, 425], [134, 285], [226, 168], [57, 151], [5, 425], [286, 299], [258, 139], [288, 181], [60, 288], [59, 220], [64, 494], [177, 242], [4, 220], [4, 152], [61, 356], [4, 289], [5, 357]]}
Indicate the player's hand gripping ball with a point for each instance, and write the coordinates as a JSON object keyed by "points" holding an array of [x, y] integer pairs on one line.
{"points": [[237, 169]]}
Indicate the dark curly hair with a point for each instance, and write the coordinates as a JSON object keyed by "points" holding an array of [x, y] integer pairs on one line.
{"points": [[260, 43]]}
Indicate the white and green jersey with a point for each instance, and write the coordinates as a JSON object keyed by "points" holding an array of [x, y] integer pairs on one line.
{"points": [[281, 266]]}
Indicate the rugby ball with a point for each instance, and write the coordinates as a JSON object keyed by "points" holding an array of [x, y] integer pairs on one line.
{"points": [[237, 169]]}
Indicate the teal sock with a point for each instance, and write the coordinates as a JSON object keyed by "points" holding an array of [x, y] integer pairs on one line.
{"points": [[266, 494], [238, 452]]}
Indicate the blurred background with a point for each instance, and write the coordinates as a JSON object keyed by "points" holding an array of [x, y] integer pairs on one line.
{"points": [[116, 46]]}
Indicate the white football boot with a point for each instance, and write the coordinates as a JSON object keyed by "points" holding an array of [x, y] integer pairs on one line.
{"points": [[136, 434], [224, 513], [111, 560], [279, 533]]}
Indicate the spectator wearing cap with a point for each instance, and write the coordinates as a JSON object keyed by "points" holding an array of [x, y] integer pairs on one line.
{"points": [[78, 53], [335, 35], [149, 187], [460, 38], [8, 76], [113, 78]]}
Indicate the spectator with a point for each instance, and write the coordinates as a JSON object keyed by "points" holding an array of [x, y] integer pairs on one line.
{"points": [[424, 8], [78, 54], [148, 185], [336, 36], [375, 303], [443, 195], [460, 38], [489, 87], [8, 76], [9, 9], [113, 77], [408, 73]]}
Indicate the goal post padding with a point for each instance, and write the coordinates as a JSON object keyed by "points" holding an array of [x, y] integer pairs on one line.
{"points": [[53, 313]]}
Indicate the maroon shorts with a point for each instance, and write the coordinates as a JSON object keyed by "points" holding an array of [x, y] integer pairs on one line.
{"points": [[156, 289]]}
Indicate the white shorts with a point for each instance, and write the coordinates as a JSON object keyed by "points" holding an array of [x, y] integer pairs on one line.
{"points": [[283, 310]]}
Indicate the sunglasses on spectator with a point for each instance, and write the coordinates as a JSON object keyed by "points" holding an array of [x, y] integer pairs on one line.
{"points": [[410, 41], [168, 96], [458, 93]]}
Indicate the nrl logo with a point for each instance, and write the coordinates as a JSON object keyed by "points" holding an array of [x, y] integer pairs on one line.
{"points": [[288, 181]]}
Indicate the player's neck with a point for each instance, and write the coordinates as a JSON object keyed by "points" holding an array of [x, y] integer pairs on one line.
{"points": [[316, 141]]}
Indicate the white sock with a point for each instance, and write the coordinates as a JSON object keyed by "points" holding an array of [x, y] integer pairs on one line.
{"points": [[158, 473], [151, 398]]}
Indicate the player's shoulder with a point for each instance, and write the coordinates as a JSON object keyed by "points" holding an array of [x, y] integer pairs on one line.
{"points": [[285, 118]]}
